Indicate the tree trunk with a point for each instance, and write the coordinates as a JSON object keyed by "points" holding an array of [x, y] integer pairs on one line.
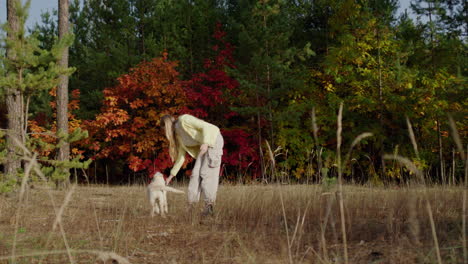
{"points": [[14, 98], [268, 84], [381, 107], [62, 90], [441, 154], [259, 131]]}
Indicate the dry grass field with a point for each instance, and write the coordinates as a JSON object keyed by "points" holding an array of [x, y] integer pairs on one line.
{"points": [[251, 225]]}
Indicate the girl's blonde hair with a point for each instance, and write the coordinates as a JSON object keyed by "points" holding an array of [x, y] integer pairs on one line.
{"points": [[168, 122]]}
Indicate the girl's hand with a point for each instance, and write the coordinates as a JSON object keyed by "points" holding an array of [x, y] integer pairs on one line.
{"points": [[203, 148], [169, 179]]}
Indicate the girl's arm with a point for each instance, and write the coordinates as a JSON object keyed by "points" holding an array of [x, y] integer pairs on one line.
{"points": [[177, 164]]}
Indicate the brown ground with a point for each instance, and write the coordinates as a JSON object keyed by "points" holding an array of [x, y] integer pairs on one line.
{"points": [[383, 226]]}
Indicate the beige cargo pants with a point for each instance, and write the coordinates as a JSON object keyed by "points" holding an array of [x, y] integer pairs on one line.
{"points": [[205, 174]]}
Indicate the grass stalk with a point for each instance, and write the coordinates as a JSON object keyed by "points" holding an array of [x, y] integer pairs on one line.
{"points": [[30, 158], [416, 171], [301, 229], [465, 253], [102, 255], [24, 181], [434, 233], [58, 218], [323, 226], [273, 164], [272, 160], [59, 223], [285, 224], [340, 183], [412, 137], [97, 225], [319, 152], [320, 177], [458, 143]]}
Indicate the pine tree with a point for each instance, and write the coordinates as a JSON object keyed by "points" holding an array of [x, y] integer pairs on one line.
{"points": [[271, 86], [62, 89], [443, 70], [364, 69], [26, 70], [14, 97]]}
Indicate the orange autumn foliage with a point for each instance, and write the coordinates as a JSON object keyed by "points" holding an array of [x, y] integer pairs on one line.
{"points": [[47, 136], [128, 125]]}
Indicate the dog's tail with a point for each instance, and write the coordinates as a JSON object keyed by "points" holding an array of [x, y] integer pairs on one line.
{"points": [[166, 188], [170, 189]]}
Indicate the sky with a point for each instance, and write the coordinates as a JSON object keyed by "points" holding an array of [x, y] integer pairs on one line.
{"points": [[39, 6]]}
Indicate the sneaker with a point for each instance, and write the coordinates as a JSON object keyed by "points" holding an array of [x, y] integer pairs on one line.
{"points": [[208, 211]]}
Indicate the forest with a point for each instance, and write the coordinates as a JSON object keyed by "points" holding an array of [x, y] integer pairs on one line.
{"points": [[344, 126], [293, 85]]}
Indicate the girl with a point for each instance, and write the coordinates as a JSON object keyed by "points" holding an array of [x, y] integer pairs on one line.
{"points": [[202, 141]]}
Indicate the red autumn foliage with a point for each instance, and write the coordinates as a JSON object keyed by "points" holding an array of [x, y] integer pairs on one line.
{"points": [[207, 91], [210, 95], [242, 153]]}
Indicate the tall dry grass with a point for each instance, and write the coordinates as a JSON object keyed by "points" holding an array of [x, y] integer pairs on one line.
{"points": [[248, 226]]}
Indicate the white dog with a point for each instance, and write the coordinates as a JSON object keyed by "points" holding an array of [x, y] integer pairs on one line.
{"points": [[157, 191]]}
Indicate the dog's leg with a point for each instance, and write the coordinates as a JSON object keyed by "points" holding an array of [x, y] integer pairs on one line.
{"points": [[152, 201], [161, 205], [165, 202], [156, 207]]}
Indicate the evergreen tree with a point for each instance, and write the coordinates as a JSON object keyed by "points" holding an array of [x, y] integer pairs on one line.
{"points": [[441, 71], [365, 70], [26, 70], [271, 86], [14, 97], [62, 89]]}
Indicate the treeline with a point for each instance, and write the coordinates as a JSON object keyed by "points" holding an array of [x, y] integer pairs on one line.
{"points": [[272, 74]]}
